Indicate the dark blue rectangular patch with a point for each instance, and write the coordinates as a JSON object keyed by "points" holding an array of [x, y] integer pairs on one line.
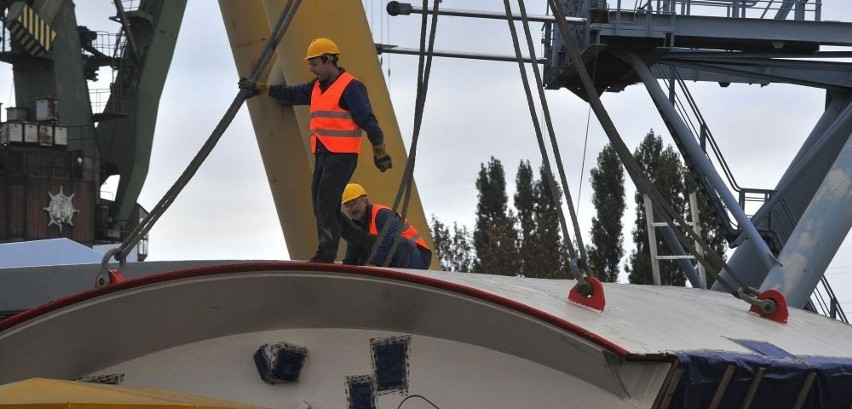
{"points": [[360, 392], [280, 362], [390, 363], [288, 364]]}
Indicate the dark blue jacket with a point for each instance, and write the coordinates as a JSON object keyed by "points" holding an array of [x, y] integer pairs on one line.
{"points": [[407, 255]]}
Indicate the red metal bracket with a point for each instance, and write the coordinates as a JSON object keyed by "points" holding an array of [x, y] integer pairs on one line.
{"points": [[116, 277], [780, 314], [594, 300]]}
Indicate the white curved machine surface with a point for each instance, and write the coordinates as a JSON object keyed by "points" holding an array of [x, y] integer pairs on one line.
{"points": [[372, 338]]}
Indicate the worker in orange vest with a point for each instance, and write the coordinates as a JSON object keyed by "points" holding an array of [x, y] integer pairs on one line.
{"points": [[411, 251], [339, 110]]}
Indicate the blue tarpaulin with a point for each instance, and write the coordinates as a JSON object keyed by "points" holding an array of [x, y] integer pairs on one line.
{"points": [[784, 377]]}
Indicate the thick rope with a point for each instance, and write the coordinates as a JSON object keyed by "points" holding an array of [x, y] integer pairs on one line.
{"points": [[120, 253], [423, 72], [578, 275], [672, 218], [547, 120]]}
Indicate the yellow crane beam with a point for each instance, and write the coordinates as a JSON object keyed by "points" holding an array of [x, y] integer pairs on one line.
{"points": [[282, 132]]}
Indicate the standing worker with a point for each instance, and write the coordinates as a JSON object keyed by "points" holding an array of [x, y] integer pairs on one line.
{"points": [[339, 110], [411, 251]]}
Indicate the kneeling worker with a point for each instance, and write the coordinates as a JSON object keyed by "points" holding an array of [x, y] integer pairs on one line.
{"points": [[411, 252]]}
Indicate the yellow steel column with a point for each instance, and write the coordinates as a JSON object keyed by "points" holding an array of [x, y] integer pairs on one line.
{"points": [[288, 169], [345, 22]]}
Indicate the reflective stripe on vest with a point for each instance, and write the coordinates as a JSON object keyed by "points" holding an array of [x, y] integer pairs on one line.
{"points": [[408, 231], [332, 124]]}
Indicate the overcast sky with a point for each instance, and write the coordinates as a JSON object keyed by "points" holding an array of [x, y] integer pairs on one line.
{"points": [[474, 110]]}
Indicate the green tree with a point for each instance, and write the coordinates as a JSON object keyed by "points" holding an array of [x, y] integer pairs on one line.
{"points": [[442, 243], [494, 237], [664, 168], [463, 255], [525, 202], [540, 244], [607, 247], [452, 248], [550, 255]]}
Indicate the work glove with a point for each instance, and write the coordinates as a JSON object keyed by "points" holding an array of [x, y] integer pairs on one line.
{"points": [[381, 158], [253, 87], [361, 240]]}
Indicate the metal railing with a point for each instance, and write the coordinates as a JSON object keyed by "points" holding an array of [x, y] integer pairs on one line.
{"points": [[758, 9], [825, 301]]}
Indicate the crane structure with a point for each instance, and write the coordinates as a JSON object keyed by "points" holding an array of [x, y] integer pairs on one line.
{"points": [[61, 142], [283, 133], [803, 220], [55, 144], [57, 150], [300, 334], [789, 242]]}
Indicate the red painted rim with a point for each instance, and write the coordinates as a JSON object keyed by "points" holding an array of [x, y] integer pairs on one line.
{"points": [[305, 266]]}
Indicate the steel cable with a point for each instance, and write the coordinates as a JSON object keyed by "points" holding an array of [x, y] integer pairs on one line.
{"points": [[120, 253], [578, 275], [423, 72], [672, 218]]}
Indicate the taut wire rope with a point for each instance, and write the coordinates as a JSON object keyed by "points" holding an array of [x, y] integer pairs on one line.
{"points": [[586, 138], [548, 121], [540, 139], [672, 218], [120, 252], [423, 71]]}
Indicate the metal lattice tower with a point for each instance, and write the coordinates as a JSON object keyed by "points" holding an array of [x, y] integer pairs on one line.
{"points": [[734, 41]]}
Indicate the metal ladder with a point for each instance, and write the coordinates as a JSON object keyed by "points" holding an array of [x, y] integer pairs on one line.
{"points": [[652, 240], [823, 300]]}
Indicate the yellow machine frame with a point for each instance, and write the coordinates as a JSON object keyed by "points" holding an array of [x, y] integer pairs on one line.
{"points": [[282, 132]]}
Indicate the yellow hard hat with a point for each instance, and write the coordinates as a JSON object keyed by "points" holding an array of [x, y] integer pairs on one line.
{"points": [[321, 46], [352, 192]]}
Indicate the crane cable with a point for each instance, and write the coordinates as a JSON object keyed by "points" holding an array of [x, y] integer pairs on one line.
{"points": [[423, 71], [423, 74], [120, 252], [586, 137], [576, 266], [672, 218]]}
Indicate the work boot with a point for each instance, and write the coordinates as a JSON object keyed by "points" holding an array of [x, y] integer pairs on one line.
{"points": [[319, 258]]}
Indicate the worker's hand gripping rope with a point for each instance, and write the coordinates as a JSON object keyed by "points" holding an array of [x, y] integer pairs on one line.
{"points": [[254, 87]]}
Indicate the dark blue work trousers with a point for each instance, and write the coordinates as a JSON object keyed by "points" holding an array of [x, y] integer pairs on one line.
{"points": [[332, 172]]}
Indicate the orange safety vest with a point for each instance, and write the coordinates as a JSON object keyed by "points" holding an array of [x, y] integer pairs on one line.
{"points": [[332, 124], [408, 231]]}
